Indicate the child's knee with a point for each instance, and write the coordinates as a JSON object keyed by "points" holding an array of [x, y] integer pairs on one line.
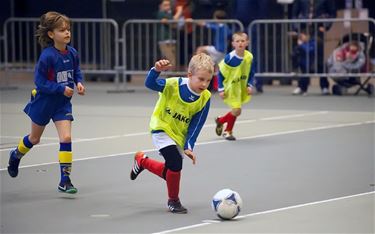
{"points": [[236, 112], [173, 159], [66, 138], [174, 164]]}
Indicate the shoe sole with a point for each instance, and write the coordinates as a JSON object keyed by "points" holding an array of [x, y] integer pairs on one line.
{"points": [[69, 191], [230, 139], [12, 173], [219, 127], [179, 212], [134, 176]]}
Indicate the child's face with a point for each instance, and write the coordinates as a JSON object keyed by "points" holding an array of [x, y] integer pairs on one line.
{"points": [[303, 37], [61, 34], [199, 80], [240, 42], [352, 52], [165, 6], [353, 49]]}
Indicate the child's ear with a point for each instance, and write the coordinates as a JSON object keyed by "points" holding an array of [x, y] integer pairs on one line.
{"points": [[50, 34], [190, 74]]}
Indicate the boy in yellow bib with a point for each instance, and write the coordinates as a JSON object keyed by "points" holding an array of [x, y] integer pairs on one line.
{"points": [[176, 122], [236, 81]]}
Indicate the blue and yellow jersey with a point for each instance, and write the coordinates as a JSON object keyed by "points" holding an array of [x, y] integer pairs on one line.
{"points": [[54, 71], [57, 69], [180, 112]]}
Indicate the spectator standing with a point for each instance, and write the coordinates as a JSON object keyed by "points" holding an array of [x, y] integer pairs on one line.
{"points": [[183, 13], [221, 35], [221, 38], [315, 9], [303, 59], [167, 43]]}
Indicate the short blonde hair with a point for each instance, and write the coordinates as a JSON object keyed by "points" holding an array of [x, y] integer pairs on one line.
{"points": [[201, 61], [240, 34]]}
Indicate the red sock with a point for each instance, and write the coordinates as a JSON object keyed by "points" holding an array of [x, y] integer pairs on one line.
{"points": [[153, 166], [225, 118], [173, 184], [230, 123]]}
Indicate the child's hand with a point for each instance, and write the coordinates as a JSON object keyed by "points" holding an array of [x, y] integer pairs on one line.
{"points": [[162, 65], [201, 23], [190, 154], [222, 94], [68, 92], [80, 88], [249, 90]]}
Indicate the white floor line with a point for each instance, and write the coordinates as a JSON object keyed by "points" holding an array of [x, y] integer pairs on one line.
{"points": [[294, 116], [78, 140], [207, 222], [182, 228], [307, 204], [18, 137], [214, 142]]}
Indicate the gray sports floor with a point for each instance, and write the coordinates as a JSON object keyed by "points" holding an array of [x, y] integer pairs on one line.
{"points": [[300, 164]]}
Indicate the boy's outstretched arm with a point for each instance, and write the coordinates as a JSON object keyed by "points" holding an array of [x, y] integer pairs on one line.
{"points": [[162, 65], [152, 81]]}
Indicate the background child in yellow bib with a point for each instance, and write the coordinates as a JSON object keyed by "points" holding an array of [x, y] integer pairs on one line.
{"points": [[177, 120], [236, 81]]}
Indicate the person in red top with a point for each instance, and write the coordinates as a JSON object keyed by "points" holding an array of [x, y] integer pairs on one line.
{"points": [[183, 15]]}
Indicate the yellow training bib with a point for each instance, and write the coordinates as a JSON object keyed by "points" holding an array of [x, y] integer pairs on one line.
{"points": [[235, 81], [172, 114]]}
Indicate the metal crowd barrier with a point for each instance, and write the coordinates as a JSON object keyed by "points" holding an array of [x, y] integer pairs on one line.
{"points": [[273, 42], [103, 52], [146, 41], [2, 65], [96, 40]]}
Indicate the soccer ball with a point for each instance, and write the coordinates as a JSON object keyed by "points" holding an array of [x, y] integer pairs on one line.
{"points": [[227, 204]]}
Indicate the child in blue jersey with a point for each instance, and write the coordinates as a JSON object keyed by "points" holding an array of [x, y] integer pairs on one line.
{"points": [[56, 73], [236, 82], [221, 37], [176, 122], [303, 58]]}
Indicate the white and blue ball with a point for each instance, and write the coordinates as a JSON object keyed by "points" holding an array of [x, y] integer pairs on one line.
{"points": [[227, 204]]}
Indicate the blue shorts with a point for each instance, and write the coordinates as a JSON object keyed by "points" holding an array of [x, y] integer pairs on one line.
{"points": [[43, 108]]}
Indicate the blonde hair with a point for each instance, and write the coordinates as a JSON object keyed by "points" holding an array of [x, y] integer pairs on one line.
{"points": [[240, 34], [48, 22], [201, 61]]}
